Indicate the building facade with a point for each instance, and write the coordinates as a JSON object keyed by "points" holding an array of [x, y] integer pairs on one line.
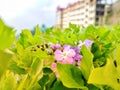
{"points": [[82, 12]]}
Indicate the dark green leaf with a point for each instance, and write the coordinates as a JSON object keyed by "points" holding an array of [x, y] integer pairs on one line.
{"points": [[17, 69], [43, 81], [59, 86], [70, 76], [47, 70]]}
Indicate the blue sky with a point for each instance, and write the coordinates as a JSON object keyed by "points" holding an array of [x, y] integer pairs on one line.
{"points": [[27, 13]]}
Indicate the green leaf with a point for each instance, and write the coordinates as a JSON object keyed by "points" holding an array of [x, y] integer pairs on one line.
{"points": [[96, 50], [26, 38], [117, 55], [106, 75], [50, 38], [7, 36], [47, 70], [86, 62], [108, 45], [117, 58], [106, 35], [70, 76], [26, 58], [59, 86], [36, 72], [43, 81], [8, 82], [5, 57], [36, 66], [92, 87], [101, 31], [38, 31], [91, 32], [22, 84], [20, 49], [48, 59], [38, 35], [17, 69], [1, 24]]}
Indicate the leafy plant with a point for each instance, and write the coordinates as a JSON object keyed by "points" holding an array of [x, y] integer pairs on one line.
{"points": [[74, 58]]}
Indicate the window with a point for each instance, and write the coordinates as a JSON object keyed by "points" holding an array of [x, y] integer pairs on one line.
{"points": [[97, 19], [86, 22], [86, 9], [91, 18]]}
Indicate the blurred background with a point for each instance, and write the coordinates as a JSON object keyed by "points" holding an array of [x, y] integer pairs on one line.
{"points": [[27, 13]]}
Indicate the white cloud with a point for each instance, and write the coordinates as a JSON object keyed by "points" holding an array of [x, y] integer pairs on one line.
{"points": [[56, 3], [27, 13], [12, 8]]}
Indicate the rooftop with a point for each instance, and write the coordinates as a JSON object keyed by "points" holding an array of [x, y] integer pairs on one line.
{"points": [[70, 5]]}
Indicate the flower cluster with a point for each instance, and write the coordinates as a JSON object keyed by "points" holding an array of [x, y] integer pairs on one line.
{"points": [[67, 54]]}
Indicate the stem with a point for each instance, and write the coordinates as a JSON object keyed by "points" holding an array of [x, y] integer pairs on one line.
{"points": [[33, 80], [22, 83]]}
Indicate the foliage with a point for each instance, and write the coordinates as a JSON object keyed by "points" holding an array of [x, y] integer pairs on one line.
{"points": [[42, 61]]}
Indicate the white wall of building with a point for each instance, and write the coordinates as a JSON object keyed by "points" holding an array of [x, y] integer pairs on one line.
{"points": [[82, 14]]}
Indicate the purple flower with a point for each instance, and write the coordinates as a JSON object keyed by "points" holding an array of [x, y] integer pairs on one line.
{"points": [[76, 49], [66, 46], [65, 56], [57, 46], [88, 43], [78, 57]]}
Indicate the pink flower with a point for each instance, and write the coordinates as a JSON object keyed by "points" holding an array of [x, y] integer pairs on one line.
{"points": [[54, 68], [65, 56], [52, 46], [57, 46]]}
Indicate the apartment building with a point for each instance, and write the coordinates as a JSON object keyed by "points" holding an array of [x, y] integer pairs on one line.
{"points": [[82, 12]]}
